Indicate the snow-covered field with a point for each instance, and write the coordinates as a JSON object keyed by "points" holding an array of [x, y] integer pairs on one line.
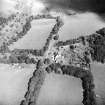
{"points": [[36, 37], [13, 83], [80, 24], [7, 7], [98, 71], [61, 90]]}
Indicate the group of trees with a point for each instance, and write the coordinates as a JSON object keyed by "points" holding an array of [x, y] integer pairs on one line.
{"points": [[87, 82], [53, 34], [34, 85], [4, 21], [25, 29], [72, 41], [54, 67], [67, 42], [15, 36], [22, 56], [85, 75], [21, 59], [97, 44]]}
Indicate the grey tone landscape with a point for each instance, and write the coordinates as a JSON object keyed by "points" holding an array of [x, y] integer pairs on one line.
{"points": [[56, 89]]}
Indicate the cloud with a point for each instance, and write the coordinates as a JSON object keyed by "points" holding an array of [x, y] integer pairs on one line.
{"points": [[97, 6], [79, 6]]}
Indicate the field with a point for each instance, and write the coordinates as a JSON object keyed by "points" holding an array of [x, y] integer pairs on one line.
{"points": [[36, 37], [13, 83], [80, 25]]}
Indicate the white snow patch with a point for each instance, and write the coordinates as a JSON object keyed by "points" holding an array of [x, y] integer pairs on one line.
{"points": [[61, 90], [13, 84]]}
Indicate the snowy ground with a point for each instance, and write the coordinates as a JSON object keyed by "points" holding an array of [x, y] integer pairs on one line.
{"points": [[98, 71], [80, 24], [36, 37], [61, 90], [13, 83]]}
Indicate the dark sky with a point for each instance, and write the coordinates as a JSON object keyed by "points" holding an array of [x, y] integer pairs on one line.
{"points": [[97, 6]]}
